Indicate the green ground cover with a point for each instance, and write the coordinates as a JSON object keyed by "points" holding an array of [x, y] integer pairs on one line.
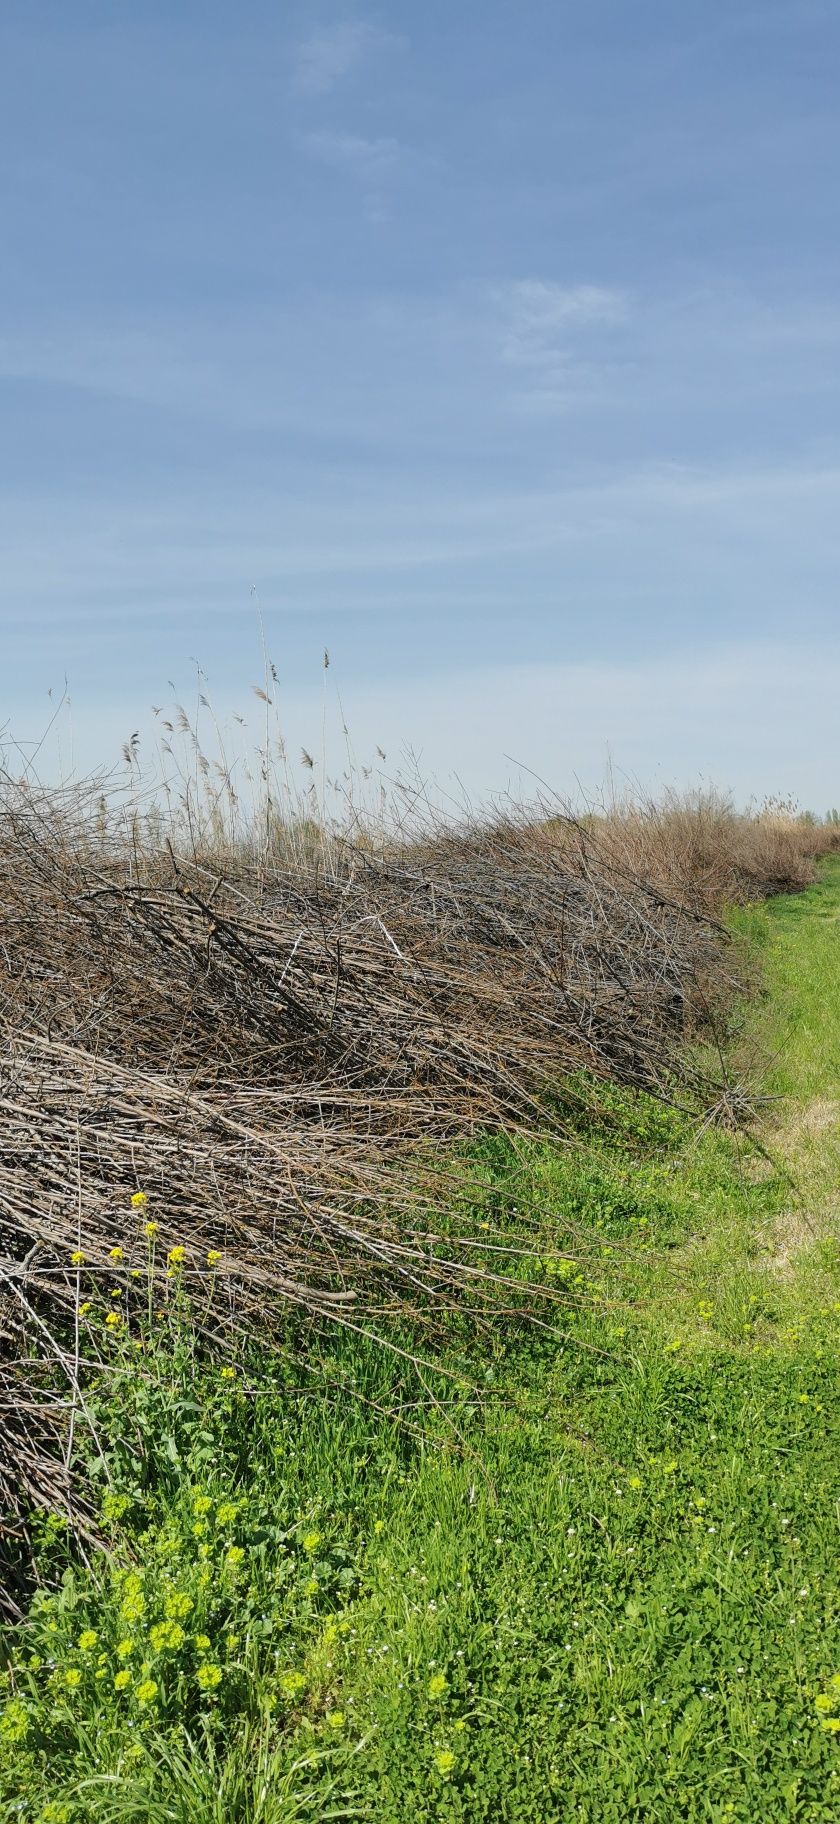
{"points": [[590, 1573]]}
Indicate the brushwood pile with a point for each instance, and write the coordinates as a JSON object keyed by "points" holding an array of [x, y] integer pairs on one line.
{"points": [[281, 1055]]}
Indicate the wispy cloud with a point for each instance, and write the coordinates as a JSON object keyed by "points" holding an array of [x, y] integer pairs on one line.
{"points": [[326, 57], [540, 307], [367, 159], [544, 328]]}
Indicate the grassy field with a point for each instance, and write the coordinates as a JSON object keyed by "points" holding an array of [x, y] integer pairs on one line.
{"points": [[581, 1573]]}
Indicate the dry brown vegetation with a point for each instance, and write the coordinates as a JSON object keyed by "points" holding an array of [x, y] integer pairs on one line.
{"points": [[281, 1044]]}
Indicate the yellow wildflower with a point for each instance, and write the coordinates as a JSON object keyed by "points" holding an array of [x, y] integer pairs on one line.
{"points": [[122, 1679], [444, 1761], [438, 1684], [335, 1719], [113, 1320], [139, 1200], [124, 1647], [202, 1642], [84, 1309], [77, 1258], [214, 1257], [176, 1256], [147, 1692], [202, 1504], [151, 1229], [177, 1605], [72, 1677], [14, 1721], [208, 1676], [291, 1683], [311, 1541], [115, 1254], [228, 1374], [226, 1513], [87, 1640]]}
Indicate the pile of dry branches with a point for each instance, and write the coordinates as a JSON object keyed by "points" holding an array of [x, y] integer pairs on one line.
{"points": [[279, 1058]]}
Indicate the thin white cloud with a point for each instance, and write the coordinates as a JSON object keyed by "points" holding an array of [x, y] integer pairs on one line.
{"points": [[335, 53], [326, 57], [545, 328], [541, 308], [367, 159]]}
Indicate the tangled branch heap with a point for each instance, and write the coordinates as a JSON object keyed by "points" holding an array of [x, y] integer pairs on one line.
{"points": [[274, 1053]]}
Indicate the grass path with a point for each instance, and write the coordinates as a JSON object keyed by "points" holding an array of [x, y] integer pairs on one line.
{"points": [[601, 1584]]}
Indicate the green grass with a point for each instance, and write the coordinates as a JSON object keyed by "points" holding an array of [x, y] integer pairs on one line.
{"points": [[591, 1574], [798, 940]]}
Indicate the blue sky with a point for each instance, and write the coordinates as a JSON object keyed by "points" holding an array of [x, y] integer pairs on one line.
{"points": [[494, 346]]}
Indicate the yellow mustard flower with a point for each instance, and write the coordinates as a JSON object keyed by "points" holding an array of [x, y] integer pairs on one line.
{"points": [[139, 1200], [113, 1320], [147, 1692], [122, 1679], [151, 1229], [87, 1639], [438, 1684], [213, 1257], [228, 1374], [84, 1309], [202, 1504], [115, 1254], [77, 1258], [176, 1256], [72, 1677]]}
